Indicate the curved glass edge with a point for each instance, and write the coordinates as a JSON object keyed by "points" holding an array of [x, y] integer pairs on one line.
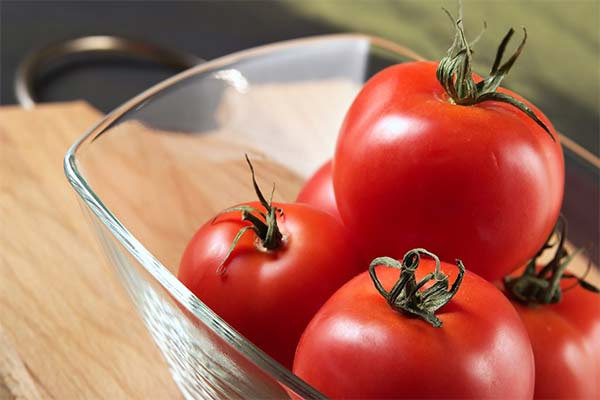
{"points": [[154, 267], [179, 292]]}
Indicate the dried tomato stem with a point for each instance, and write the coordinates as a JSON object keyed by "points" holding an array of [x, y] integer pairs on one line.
{"points": [[455, 75], [263, 224], [406, 294]]}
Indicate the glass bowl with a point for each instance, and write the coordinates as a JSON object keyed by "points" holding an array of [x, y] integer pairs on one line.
{"points": [[152, 171]]}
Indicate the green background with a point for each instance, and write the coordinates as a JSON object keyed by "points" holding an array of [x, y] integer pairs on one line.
{"points": [[559, 69]]}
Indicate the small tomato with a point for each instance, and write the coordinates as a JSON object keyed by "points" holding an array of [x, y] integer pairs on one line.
{"points": [[285, 261], [318, 191], [563, 325]]}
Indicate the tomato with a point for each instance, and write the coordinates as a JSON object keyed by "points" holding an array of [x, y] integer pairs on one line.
{"points": [[566, 353], [268, 290], [564, 330], [358, 346], [413, 166], [581, 308], [318, 191]]}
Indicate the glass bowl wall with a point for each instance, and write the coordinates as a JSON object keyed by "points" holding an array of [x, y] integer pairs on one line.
{"points": [[151, 172]]}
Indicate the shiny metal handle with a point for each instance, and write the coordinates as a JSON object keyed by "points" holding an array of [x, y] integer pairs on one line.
{"points": [[29, 67]]}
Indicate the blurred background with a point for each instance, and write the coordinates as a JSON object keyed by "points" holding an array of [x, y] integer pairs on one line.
{"points": [[559, 69]]}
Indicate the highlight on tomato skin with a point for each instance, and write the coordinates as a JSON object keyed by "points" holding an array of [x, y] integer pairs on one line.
{"points": [[359, 346], [456, 164]]}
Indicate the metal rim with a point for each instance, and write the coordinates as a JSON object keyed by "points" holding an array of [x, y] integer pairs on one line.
{"points": [[29, 68]]}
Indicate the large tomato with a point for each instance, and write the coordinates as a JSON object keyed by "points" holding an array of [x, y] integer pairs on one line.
{"points": [[359, 346], [285, 264], [476, 178], [318, 191], [564, 329]]}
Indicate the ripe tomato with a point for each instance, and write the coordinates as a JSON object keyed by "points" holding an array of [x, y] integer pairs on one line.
{"points": [[318, 191], [469, 178], [358, 346], [566, 354], [563, 327], [268, 289]]}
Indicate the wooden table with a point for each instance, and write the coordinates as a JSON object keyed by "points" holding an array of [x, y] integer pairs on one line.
{"points": [[62, 309]]}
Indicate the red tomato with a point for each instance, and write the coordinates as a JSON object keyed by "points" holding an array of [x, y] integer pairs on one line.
{"points": [[563, 326], [581, 308], [358, 346], [481, 182], [269, 296], [566, 345], [318, 191]]}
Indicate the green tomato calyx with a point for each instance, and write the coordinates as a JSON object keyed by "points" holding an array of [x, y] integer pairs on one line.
{"points": [[263, 223], [455, 75], [409, 296], [542, 285]]}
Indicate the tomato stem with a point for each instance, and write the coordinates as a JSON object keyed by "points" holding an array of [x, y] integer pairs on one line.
{"points": [[407, 295], [455, 75], [264, 224], [542, 286]]}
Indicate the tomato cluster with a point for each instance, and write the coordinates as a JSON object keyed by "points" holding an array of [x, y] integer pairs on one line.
{"points": [[429, 156]]}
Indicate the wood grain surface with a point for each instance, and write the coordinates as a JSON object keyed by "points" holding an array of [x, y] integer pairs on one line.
{"points": [[164, 185], [15, 380], [71, 323]]}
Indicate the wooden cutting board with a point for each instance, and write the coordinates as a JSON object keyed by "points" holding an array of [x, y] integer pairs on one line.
{"points": [[67, 328]]}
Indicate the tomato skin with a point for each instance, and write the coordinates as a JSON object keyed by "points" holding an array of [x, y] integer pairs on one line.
{"points": [[318, 191], [566, 344], [269, 297], [481, 183], [356, 346]]}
